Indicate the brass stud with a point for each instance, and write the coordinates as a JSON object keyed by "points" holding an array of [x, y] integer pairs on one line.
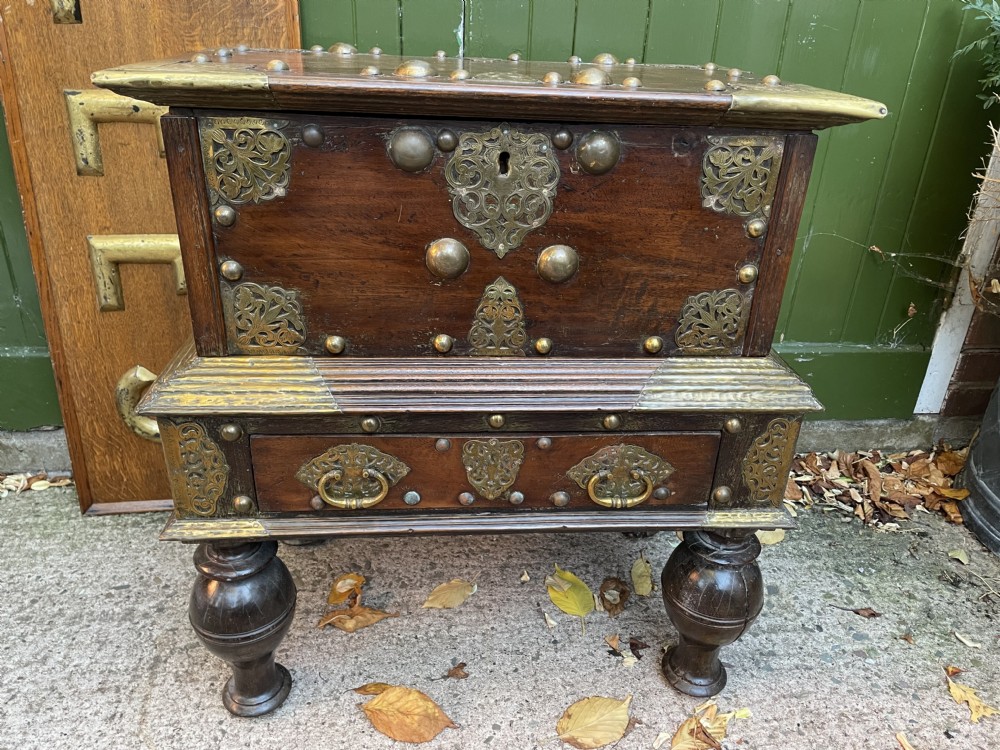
{"points": [[497, 421], [371, 70], [317, 49], [312, 135], [411, 498], [414, 69], [715, 85], [543, 443], [466, 498], [771, 80], [277, 66], [734, 74], [612, 422], [598, 152], [242, 48], [748, 274], [231, 432], [459, 74], [231, 270], [514, 57], [605, 58], [557, 263], [335, 344], [632, 83], [316, 503], [411, 149], [733, 425], [552, 78], [242, 504], [630, 61], [443, 343], [574, 60], [653, 345], [661, 493], [756, 228], [559, 499], [722, 494], [447, 140], [223, 52], [562, 138], [225, 215], [591, 77], [370, 424], [343, 49], [201, 58], [442, 444], [375, 51], [710, 67], [447, 258], [543, 345], [516, 498], [440, 54]]}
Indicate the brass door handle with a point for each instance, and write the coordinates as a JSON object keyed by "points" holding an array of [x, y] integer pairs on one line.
{"points": [[127, 394], [349, 502], [619, 502]]}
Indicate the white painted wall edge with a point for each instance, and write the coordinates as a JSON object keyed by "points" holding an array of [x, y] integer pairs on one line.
{"points": [[977, 250]]}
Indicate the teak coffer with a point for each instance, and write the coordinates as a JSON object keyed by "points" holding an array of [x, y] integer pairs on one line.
{"points": [[459, 295]]}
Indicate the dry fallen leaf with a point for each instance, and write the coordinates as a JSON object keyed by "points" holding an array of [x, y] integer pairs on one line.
{"points": [[354, 618], [345, 587], [636, 646], [966, 640], [549, 622], [613, 642], [613, 594], [951, 462], [457, 672], [450, 595], [594, 722], [866, 612], [903, 742], [642, 576], [951, 671], [959, 554], [629, 660], [406, 715], [569, 593], [525, 577], [771, 537], [373, 688], [706, 728], [964, 694], [908, 637]]}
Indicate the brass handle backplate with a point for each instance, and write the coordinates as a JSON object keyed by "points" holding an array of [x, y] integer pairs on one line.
{"points": [[127, 394], [348, 502], [619, 502]]}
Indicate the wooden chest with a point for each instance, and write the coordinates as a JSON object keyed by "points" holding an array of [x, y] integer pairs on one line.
{"points": [[454, 295]]}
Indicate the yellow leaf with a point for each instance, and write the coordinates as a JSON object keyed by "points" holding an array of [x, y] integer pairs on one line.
{"points": [[959, 554], [642, 576], [406, 715], [964, 694], [569, 593], [771, 537], [950, 492], [904, 744], [594, 722], [344, 587], [354, 618], [450, 595], [373, 688], [691, 735]]}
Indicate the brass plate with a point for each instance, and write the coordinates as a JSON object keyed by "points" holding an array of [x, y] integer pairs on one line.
{"points": [[712, 322], [498, 328], [264, 319], [492, 465], [196, 466], [740, 174], [247, 159], [765, 468], [352, 476], [620, 476]]}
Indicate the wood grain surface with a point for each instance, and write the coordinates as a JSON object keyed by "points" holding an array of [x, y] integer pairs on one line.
{"points": [[91, 349]]}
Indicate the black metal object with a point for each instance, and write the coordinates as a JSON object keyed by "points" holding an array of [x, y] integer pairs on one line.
{"points": [[981, 476]]}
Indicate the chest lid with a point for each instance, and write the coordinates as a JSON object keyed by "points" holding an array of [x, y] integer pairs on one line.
{"points": [[344, 80]]}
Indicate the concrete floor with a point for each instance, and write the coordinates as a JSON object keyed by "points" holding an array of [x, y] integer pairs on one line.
{"points": [[96, 650]]}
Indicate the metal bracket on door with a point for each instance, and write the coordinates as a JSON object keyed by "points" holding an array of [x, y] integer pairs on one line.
{"points": [[88, 108], [108, 251]]}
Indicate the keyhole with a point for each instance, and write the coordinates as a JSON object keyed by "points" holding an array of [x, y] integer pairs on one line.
{"points": [[503, 161]]}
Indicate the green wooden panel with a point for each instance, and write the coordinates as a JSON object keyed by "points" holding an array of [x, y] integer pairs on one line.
{"points": [[27, 389], [750, 34], [682, 31], [430, 25], [327, 21], [618, 28], [377, 24], [551, 29], [497, 29]]}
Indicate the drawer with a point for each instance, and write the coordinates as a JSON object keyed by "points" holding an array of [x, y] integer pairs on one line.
{"points": [[384, 237], [482, 472]]}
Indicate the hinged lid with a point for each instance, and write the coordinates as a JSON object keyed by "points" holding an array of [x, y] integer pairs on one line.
{"points": [[604, 90]]}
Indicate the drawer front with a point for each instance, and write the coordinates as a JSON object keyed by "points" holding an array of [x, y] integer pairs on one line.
{"points": [[476, 472], [382, 237]]}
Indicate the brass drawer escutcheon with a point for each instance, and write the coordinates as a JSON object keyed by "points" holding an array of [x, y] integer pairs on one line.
{"points": [[492, 465], [352, 477], [620, 476]]}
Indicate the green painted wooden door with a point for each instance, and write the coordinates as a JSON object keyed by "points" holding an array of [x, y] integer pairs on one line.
{"points": [[856, 322]]}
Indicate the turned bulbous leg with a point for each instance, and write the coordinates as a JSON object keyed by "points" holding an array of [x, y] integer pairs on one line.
{"points": [[241, 607], [712, 591]]}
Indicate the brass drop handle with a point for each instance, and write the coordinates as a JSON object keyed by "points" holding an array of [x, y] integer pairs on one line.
{"points": [[128, 391], [619, 502], [348, 502]]}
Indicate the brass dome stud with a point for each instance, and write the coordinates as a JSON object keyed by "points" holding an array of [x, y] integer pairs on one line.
{"points": [[557, 263], [411, 149], [611, 422], [443, 343], [598, 152], [447, 258], [335, 344], [277, 66]]}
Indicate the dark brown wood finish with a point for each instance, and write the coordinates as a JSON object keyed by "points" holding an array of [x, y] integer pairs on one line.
{"points": [[439, 476]]}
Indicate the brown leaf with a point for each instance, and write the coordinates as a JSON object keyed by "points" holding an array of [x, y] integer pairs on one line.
{"points": [[354, 618], [866, 612], [951, 512], [636, 646], [346, 586], [691, 735], [792, 491], [614, 642], [952, 493], [908, 637], [964, 694], [373, 688], [811, 464], [951, 462], [614, 592], [874, 479], [952, 671], [457, 672], [594, 722], [406, 715]]}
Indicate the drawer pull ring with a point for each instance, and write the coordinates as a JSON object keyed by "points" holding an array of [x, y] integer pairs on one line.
{"points": [[127, 394], [353, 503], [619, 502]]}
